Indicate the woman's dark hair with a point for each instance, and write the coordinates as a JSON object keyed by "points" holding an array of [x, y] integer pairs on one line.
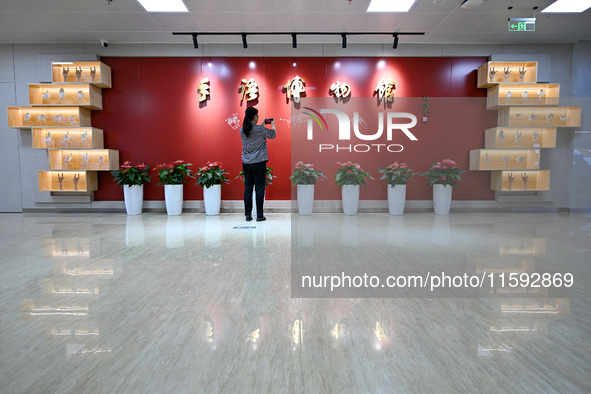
{"points": [[249, 115]]}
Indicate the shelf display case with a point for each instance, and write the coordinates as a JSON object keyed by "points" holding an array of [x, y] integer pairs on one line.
{"points": [[86, 160], [519, 138], [84, 95], [541, 94], [27, 117], [94, 72], [68, 181], [504, 159], [520, 180], [539, 117], [496, 72], [68, 137]]}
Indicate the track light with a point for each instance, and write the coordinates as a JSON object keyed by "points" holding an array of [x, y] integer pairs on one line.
{"points": [[344, 40], [395, 45], [244, 43], [294, 40], [195, 43]]}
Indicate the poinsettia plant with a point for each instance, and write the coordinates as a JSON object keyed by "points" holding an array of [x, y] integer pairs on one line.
{"points": [[350, 173], [396, 174], [268, 176], [131, 175], [444, 172], [212, 173], [305, 174], [173, 173]]}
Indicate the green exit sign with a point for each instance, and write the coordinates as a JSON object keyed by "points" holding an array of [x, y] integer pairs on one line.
{"points": [[522, 24]]}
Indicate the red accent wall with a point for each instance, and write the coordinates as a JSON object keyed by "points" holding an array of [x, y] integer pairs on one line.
{"points": [[152, 115]]}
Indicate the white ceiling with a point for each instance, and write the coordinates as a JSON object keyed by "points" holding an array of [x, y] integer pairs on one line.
{"points": [[125, 21]]}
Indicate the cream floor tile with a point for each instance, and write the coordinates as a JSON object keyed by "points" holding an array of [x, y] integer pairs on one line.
{"points": [[103, 303]]}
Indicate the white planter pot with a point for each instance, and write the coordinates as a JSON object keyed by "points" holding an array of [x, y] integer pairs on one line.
{"points": [[212, 199], [134, 199], [396, 199], [442, 199], [350, 196], [173, 196], [305, 199]]}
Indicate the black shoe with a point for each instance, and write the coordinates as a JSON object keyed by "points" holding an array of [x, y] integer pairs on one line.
{"points": [[248, 218], [261, 219]]}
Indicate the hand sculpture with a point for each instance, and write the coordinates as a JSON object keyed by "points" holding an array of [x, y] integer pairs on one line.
{"points": [[78, 73], [522, 72], [93, 73], [76, 179], [60, 179], [510, 178], [65, 72], [535, 136], [492, 73], [507, 72], [524, 179]]}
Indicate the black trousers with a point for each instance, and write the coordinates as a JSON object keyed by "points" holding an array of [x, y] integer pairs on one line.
{"points": [[254, 176]]}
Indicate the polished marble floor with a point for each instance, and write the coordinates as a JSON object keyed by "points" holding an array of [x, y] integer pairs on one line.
{"points": [[105, 303]]}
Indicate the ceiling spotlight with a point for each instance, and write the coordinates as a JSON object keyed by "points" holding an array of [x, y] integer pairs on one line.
{"points": [[395, 44], [344, 40], [294, 41], [195, 43], [244, 43]]}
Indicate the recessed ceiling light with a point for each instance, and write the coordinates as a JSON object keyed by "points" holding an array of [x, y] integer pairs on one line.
{"points": [[163, 5], [390, 5], [571, 6]]}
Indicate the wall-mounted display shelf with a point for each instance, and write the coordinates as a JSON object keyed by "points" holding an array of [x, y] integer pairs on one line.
{"points": [[66, 247], [68, 137], [542, 94], [519, 138], [504, 159], [539, 117], [63, 94], [80, 159], [26, 117], [96, 73], [486, 79], [519, 180], [68, 181]]}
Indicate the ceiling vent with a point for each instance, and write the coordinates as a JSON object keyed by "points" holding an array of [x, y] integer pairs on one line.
{"points": [[472, 3]]}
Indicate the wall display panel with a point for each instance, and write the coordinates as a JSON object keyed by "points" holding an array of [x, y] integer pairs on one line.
{"points": [[518, 138], [153, 115], [67, 181], [27, 117], [96, 73], [68, 137], [83, 95]]}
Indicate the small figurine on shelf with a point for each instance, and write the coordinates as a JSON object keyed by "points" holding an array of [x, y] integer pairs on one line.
{"points": [[42, 118], [48, 139], [510, 178], [532, 117], [27, 117], [76, 179], [492, 73], [508, 94], [517, 116], [486, 159], [65, 72], [507, 73], [518, 137], [78, 73], [60, 179], [524, 179], [563, 117], [45, 95], [83, 139], [72, 119], [505, 159], [541, 93], [58, 118], [67, 138], [93, 73], [525, 94], [67, 160], [85, 159], [520, 160], [101, 161], [62, 93], [522, 72], [501, 136], [549, 117], [80, 95], [535, 136]]}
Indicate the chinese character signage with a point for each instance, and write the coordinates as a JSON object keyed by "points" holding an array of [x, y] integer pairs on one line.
{"points": [[203, 90], [249, 90], [294, 89], [385, 90], [340, 89]]}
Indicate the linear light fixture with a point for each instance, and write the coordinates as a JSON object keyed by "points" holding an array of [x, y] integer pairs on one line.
{"points": [[568, 6], [163, 5], [294, 41], [390, 5]]}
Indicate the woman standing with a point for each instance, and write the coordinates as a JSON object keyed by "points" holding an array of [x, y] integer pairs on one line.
{"points": [[254, 160]]}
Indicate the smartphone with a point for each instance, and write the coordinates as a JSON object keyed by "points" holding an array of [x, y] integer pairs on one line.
{"points": [[269, 120]]}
